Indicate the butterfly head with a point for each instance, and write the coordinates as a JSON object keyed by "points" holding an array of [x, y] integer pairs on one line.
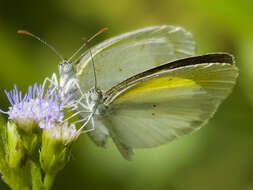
{"points": [[65, 68]]}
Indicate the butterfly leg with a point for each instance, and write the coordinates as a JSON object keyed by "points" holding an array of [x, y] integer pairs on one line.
{"points": [[77, 102], [87, 120], [52, 81], [76, 84], [92, 126], [75, 114], [83, 95]]}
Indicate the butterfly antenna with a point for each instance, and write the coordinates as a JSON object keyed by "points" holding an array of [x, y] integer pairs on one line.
{"points": [[86, 42], [42, 41], [92, 60]]}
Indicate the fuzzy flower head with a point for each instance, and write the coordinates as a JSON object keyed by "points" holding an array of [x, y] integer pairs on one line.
{"points": [[37, 106], [64, 132]]}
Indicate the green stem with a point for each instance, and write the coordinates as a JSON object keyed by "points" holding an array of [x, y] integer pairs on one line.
{"points": [[48, 181], [36, 177]]}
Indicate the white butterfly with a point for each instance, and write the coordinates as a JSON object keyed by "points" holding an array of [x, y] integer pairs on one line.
{"points": [[145, 92]]}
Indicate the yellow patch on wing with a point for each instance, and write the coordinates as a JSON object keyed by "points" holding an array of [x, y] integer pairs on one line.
{"points": [[158, 83]]}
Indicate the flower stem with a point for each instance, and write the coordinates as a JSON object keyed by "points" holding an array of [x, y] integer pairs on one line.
{"points": [[48, 181], [36, 177]]}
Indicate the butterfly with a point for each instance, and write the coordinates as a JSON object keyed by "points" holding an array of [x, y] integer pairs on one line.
{"points": [[146, 88]]}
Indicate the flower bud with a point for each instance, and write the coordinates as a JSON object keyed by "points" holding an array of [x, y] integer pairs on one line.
{"points": [[15, 154], [55, 151]]}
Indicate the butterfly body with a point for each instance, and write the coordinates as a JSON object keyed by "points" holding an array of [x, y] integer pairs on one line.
{"points": [[150, 89]]}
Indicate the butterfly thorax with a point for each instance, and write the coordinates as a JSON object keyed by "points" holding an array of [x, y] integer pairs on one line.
{"points": [[95, 102]]}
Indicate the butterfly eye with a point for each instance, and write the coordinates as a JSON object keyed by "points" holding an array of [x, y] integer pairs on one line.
{"points": [[67, 67], [61, 63]]}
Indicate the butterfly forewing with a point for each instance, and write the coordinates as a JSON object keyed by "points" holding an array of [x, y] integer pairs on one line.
{"points": [[131, 53]]}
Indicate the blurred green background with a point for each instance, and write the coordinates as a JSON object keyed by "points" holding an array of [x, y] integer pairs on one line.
{"points": [[218, 157]]}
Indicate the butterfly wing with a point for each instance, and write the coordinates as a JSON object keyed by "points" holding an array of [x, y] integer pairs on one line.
{"points": [[168, 104], [128, 54]]}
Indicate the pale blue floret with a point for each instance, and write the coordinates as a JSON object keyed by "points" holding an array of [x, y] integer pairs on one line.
{"points": [[37, 106]]}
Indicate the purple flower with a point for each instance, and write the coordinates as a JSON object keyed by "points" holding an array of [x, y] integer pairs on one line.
{"points": [[37, 106]]}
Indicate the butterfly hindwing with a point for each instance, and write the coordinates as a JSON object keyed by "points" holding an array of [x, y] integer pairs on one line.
{"points": [[162, 107]]}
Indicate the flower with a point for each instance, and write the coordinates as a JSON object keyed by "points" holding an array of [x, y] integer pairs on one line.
{"points": [[37, 106], [36, 144], [55, 148], [64, 133]]}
